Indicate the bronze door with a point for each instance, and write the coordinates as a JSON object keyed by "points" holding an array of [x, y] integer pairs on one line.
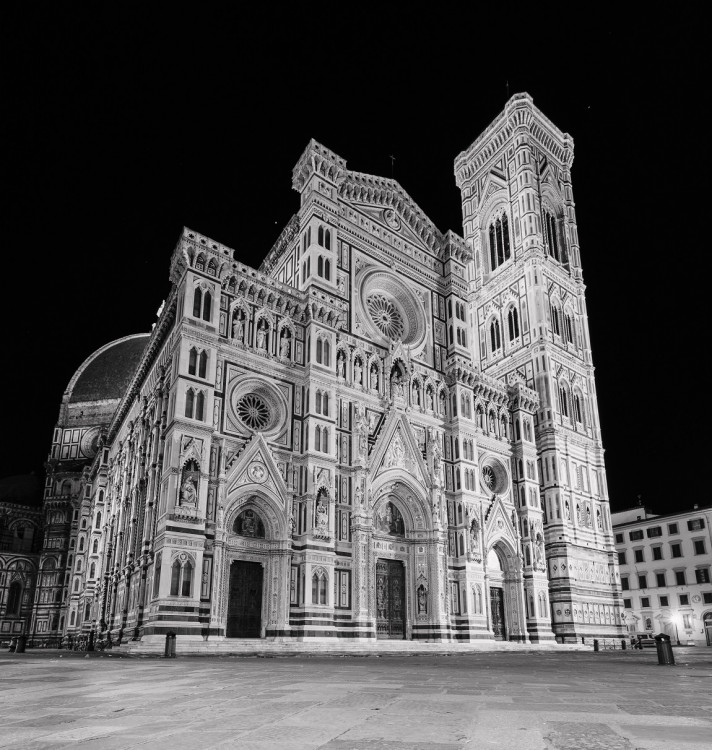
{"points": [[244, 611], [497, 609], [390, 599]]}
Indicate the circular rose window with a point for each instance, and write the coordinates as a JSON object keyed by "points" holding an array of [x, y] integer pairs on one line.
{"points": [[258, 405], [385, 315], [494, 477], [390, 309]]}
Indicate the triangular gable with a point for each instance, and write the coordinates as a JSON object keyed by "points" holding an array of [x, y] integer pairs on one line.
{"points": [[498, 523], [396, 226], [256, 466], [492, 185], [397, 448]]}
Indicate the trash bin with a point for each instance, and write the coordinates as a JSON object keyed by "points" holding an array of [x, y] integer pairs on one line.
{"points": [[623, 644], [170, 651], [665, 655], [21, 643]]}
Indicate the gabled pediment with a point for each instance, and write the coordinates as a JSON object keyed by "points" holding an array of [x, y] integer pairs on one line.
{"points": [[397, 448], [257, 468], [499, 524]]}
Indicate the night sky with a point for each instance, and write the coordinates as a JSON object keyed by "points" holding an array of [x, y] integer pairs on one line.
{"points": [[122, 127]]}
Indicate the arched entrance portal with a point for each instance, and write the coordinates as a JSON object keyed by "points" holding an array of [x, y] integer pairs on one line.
{"points": [[495, 572], [390, 575]]}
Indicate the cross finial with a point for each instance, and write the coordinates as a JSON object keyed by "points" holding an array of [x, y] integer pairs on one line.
{"points": [[392, 158]]}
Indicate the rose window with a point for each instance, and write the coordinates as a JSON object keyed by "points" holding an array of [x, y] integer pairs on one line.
{"points": [[488, 477], [385, 315], [253, 411]]}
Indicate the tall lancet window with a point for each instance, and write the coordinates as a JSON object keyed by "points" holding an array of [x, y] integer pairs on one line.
{"points": [[499, 241]]}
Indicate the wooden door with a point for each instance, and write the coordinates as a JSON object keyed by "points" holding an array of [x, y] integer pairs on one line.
{"points": [[497, 610], [244, 611], [390, 599]]}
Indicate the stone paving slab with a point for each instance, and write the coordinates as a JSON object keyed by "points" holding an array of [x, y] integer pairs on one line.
{"points": [[547, 701]]}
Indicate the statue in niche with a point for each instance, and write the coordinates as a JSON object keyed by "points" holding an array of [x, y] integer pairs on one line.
{"points": [[416, 394], [474, 537], [238, 327], [567, 510], [599, 521], [187, 493], [374, 378], [539, 551], [262, 336], [358, 370], [422, 600], [437, 457], [285, 345], [429, 396], [322, 518], [588, 516], [340, 364]]}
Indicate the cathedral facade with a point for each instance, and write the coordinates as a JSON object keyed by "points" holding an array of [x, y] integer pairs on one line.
{"points": [[382, 432]]}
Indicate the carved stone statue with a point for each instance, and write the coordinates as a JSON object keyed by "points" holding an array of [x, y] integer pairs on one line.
{"points": [[340, 365], [358, 370], [474, 537], [374, 379], [238, 328], [422, 600], [285, 346], [262, 336], [322, 518], [187, 493]]}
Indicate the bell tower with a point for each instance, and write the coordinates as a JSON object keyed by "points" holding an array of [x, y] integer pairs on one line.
{"points": [[530, 325]]}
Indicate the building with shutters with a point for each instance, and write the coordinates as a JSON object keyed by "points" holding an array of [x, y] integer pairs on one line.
{"points": [[665, 564], [384, 431]]}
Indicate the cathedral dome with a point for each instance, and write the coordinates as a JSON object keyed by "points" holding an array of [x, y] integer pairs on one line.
{"points": [[106, 373]]}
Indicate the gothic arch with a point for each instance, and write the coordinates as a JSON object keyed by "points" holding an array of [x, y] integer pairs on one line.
{"points": [[264, 502], [400, 487]]}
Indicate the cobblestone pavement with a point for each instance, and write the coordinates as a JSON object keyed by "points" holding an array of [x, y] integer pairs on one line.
{"points": [[617, 700]]}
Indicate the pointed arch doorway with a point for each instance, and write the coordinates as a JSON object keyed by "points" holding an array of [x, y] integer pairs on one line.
{"points": [[244, 612], [496, 593]]}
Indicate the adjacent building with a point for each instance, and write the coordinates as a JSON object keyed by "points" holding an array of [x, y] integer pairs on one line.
{"points": [[385, 431], [665, 566]]}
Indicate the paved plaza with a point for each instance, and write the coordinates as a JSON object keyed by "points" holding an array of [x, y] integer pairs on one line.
{"points": [[525, 700]]}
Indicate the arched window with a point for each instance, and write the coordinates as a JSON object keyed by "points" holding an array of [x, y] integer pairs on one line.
{"points": [[495, 336], [202, 364], [187, 579], [200, 262], [175, 578], [189, 403], [192, 361], [513, 323], [97, 525], [327, 242], [451, 335], [76, 585], [72, 618], [577, 409], [14, 599], [325, 404], [318, 350], [320, 264], [157, 575], [212, 267], [92, 570], [95, 547], [555, 321], [327, 267], [327, 353], [551, 235], [197, 302], [81, 543], [569, 328], [320, 237], [319, 582], [563, 396], [200, 406], [499, 241], [207, 306], [66, 487]]}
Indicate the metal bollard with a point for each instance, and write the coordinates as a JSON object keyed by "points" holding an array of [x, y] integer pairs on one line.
{"points": [[170, 651], [595, 644], [624, 645], [664, 647]]}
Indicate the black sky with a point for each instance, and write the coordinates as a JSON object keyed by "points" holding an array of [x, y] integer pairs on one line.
{"points": [[122, 125]]}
